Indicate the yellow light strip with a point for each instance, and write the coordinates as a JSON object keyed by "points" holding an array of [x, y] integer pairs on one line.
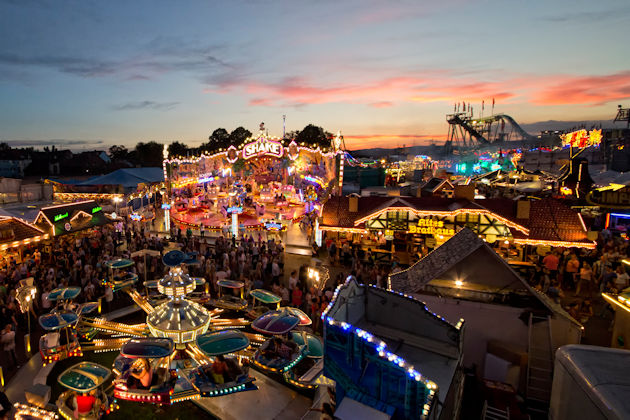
{"points": [[560, 244], [340, 229], [79, 213], [610, 299]]}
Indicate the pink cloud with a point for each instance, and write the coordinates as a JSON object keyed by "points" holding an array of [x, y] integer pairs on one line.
{"points": [[592, 90], [436, 87]]}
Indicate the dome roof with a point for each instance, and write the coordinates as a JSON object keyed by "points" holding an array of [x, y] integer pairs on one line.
{"points": [[180, 320]]}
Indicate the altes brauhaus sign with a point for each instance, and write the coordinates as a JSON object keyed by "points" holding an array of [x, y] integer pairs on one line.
{"points": [[431, 227], [263, 146]]}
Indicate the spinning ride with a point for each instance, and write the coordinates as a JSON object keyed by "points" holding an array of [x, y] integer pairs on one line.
{"points": [[271, 179]]}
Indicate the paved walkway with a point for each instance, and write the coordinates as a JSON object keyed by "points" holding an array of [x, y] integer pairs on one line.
{"points": [[272, 401]]}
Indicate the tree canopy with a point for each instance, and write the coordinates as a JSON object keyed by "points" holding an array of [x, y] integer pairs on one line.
{"points": [[149, 154]]}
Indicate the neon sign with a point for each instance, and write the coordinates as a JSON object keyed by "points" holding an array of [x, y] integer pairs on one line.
{"points": [[235, 209], [95, 209], [582, 138], [431, 227], [166, 206], [261, 147], [273, 226], [58, 217]]}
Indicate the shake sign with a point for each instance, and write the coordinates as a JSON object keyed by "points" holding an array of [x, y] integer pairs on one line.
{"points": [[263, 146]]}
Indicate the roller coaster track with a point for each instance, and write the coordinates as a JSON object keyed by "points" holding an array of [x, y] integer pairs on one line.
{"points": [[455, 119], [498, 117], [471, 125]]}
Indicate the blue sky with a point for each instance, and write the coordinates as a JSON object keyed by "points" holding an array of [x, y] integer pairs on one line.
{"points": [[384, 73]]}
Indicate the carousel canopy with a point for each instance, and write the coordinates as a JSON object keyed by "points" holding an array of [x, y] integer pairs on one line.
{"points": [[84, 376], [57, 320], [64, 293], [148, 347], [119, 263], [87, 308], [174, 258], [231, 284], [314, 346], [180, 320], [222, 342], [304, 319], [264, 296], [276, 322]]}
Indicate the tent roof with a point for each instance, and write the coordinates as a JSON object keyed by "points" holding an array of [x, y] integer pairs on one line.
{"points": [[128, 177]]}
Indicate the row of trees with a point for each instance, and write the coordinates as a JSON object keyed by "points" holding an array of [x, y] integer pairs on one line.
{"points": [[151, 153]]}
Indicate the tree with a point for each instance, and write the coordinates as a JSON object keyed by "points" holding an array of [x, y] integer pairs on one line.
{"points": [[312, 134], [219, 139], [239, 135], [118, 152], [177, 149], [149, 154]]}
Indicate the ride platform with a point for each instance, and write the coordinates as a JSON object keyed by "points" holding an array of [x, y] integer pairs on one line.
{"points": [[272, 400]]}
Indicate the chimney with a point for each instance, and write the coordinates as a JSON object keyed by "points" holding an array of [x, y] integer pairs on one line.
{"points": [[522, 209], [353, 204]]}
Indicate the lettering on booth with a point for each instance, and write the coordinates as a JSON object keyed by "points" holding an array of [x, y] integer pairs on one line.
{"points": [[431, 227]]}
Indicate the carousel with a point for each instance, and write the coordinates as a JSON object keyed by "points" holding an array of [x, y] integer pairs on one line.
{"points": [[261, 184]]}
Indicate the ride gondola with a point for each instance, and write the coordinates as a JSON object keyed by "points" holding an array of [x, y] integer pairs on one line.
{"points": [[119, 277], [143, 371], [84, 398], [60, 342], [265, 298], [280, 353], [222, 345], [230, 301]]}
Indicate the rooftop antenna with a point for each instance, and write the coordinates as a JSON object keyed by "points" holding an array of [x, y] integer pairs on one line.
{"points": [[284, 125]]}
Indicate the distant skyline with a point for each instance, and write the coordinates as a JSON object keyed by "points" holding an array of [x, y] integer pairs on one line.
{"points": [[88, 74]]}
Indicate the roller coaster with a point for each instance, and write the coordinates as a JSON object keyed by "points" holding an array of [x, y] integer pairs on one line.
{"points": [[466, 132]]}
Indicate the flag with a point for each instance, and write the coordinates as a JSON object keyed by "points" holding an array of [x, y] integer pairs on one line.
{"points": [[493, 102], [483, 105]]}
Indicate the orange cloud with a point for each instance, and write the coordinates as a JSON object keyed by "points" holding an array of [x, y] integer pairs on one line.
{"points": [[592, 90], [436, 87]]}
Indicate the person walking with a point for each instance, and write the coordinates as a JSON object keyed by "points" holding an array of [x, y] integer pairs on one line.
{"points": [[8, 344]]}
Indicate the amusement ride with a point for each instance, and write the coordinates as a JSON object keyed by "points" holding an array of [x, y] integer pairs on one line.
{"points": [[189, 347]]}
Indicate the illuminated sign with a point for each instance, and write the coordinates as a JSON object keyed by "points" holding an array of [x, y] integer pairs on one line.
{"points": [[58, 217], [166, 206], [582, 138], [261, 147], [135, 216], [431, 227], [235, 209], [273, 226], [610, 198], [95, 209]]}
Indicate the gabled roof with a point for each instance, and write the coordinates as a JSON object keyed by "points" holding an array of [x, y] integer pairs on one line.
{"points": [[70, 213], [549, 220], [434, 184], [454, 252], [13, 230]]}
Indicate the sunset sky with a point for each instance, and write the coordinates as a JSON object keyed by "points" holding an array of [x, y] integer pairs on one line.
{"points": [[88, 74]]}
